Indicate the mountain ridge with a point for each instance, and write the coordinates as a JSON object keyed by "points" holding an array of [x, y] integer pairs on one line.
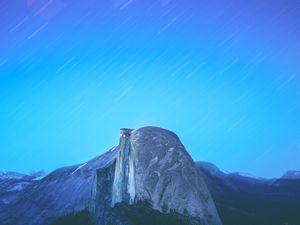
{"points": [[233, 194]]}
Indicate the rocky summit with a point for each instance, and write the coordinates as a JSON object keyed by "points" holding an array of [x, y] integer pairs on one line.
{"points": [[152, 171]]}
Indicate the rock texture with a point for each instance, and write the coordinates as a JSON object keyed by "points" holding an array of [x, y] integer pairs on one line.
{"points": [[124, 181], [167, 176], [100, 205], [154, 170]]}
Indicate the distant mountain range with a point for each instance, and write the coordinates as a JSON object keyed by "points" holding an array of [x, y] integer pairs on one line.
{"points": [[245, 200], [149, 178], [291, 175]]}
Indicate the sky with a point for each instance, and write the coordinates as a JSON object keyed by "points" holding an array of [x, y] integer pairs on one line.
{"points": [[223, 75]]}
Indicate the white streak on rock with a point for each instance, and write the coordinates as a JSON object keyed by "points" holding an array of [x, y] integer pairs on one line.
{"points": [[78, 168]]}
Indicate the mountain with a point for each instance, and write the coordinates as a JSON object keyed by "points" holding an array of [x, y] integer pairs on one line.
{"points": [[65, 191], [20, 176], [245, 200], [149, 178], [291, 175], [12, 184], [163, 182], [153, 177]]}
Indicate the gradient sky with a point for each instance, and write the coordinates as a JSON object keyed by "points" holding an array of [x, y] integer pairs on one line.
{"points": [[223, 75]]}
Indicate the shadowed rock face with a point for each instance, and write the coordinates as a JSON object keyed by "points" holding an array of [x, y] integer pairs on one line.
{"points": [[100, 206], [154, 169]]}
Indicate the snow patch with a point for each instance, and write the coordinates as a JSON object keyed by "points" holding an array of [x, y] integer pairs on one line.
{"points": [[11, 175], [78, 168], [19, 187], [170, 149]]}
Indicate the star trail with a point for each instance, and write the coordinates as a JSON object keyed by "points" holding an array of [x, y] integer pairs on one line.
{"points": [[223, 75]]}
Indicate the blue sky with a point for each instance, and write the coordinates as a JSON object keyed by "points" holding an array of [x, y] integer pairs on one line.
{"points": [[223, 75]]}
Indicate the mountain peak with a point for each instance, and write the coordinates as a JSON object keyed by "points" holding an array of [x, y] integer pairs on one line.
{"points": [[291, 175], [153, 168]]}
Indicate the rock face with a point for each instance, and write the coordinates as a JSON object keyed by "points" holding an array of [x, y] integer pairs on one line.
{"points": [[100, 206], [124, 182], [153, 169]]}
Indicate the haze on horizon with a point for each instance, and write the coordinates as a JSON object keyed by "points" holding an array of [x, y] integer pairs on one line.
{"points": [[224, 76]]}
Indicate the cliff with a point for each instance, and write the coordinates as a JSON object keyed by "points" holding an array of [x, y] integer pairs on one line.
{"points": [[154, 171]]}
